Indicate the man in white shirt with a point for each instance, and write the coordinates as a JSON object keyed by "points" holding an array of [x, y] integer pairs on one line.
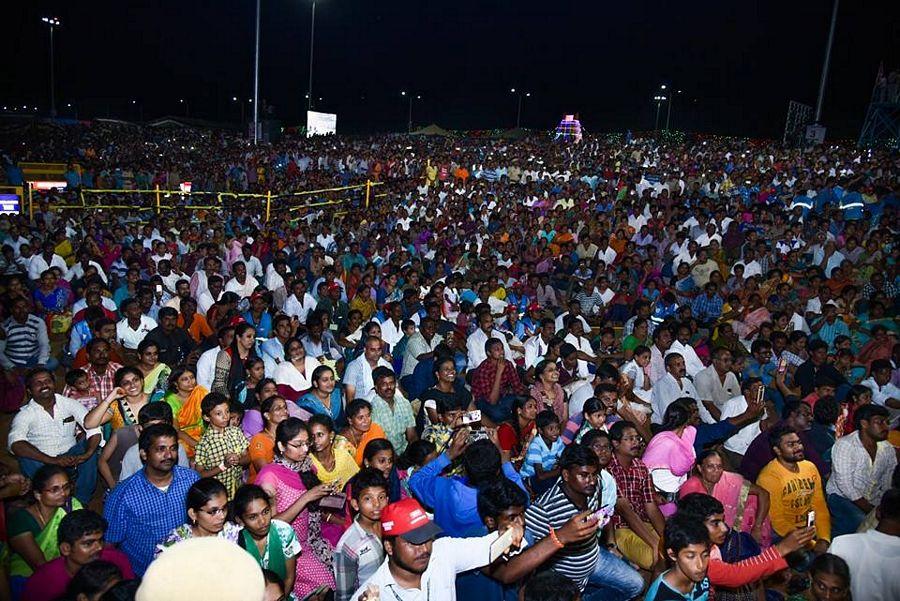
{"points": [[254, 267], [862, 464], [242, 284], [717, 383], [537, 345], [300, 302], [135, 325], [586, 354], [42, 262], [43, 433], [662, 342], [884, 393], [475, 342], [214, 285], [605, 252], [357, 380], [420, 346], [206, 364], [418, 567], [673, 386], [873, 556], [681, 345], [575, 310], [736, 446]]}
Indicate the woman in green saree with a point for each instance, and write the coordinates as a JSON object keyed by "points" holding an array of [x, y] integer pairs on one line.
{"points": [[32, 530], [156, 374]]}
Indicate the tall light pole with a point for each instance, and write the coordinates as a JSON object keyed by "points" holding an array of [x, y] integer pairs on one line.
{"points": [[659, 100], [256, 80], [312, 37], [410, 98], [519, 94], [52, 22], [187, 106], [826, 64], [669, 110]]}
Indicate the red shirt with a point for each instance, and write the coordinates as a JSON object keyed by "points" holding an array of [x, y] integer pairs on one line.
{"points": [[50, 580], [483, 380]]}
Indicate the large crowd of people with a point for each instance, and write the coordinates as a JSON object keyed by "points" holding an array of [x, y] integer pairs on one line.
{"points": [[632, 367]]}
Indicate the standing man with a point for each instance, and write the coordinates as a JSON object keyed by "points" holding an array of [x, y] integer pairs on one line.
{"points": [[142, 510], [43, 433], [862, 464]]}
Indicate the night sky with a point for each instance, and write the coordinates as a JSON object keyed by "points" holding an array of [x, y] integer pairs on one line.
{"points": [[738, 63]]}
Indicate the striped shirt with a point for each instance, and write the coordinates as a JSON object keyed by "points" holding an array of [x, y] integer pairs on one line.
{"points": [[25, 342], [551, 510]]}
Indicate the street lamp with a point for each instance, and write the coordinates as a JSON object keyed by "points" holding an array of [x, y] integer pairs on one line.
{"points": [[410, 97], [519, 94], [659, 100], [52, 22], [669, 109], [312, 37], [187, 106], [241, 104]]}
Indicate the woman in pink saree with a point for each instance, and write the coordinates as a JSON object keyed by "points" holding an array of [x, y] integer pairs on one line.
{"points": [[670, 454], [753, 316], [746, 504], [291, 483]]}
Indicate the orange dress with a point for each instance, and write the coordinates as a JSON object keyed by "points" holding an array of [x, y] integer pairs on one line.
{"points": [[374, 432], [262, 446]]}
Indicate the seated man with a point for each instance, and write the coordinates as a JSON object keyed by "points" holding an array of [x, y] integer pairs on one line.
{"points": [[495, 383], [862, 463], [873, 556], [795, 488], [43, 433], [638, 522], [453, 498], [797, 415], [80, 539]]}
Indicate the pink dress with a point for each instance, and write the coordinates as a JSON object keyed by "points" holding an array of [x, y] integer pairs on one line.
{"points": [[673, 457], [311, 573], [728, 492]]}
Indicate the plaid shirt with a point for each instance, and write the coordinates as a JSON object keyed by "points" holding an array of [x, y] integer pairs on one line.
{"points": [[394, 421], [634, 484], [483, 380], [707, 309], [211, 451], [101, 384], [356, 557]]}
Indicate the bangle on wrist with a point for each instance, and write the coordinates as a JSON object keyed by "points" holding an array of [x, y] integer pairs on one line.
{"points": [[555, 539], [222, 467]]}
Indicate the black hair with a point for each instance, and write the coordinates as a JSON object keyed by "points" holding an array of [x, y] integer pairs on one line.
{"points": [[266, 406], [357, 405], [202, 491], [577, 455], [816, 345], [155, 411], [548, 585], [78, 523], [284, 433], [867, 412], [704, 454], [826, 411], [322, 420], [152, 432], [700, 505], [381, 372], [641, 349], [73, 375], [500, 496], [828, 563], [44, 474], [777, 432], [176, 373], [124, 590], [94, 342], [790, 407], [92, 578], [593, 405], [677, 414], [541, 367], [748, 383], [415, 454], [683, 530], [367, 477], [889, 508], [211, 401], [591, 435], [124, 371], [481, 461], [319, 371], [545, 418], [245, 495], [607, 371], [617, 430]]}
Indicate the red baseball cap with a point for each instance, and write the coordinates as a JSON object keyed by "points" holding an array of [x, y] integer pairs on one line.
{"points": [[407, 519]]}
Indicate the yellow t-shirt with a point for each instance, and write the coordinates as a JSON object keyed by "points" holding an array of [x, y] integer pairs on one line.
{"points": [[792, 495]]}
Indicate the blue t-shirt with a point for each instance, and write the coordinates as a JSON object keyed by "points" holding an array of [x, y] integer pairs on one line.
{"points": [[661, 591]]}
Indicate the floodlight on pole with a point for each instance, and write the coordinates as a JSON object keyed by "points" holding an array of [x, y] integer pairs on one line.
{"points": [[53, 23]]}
